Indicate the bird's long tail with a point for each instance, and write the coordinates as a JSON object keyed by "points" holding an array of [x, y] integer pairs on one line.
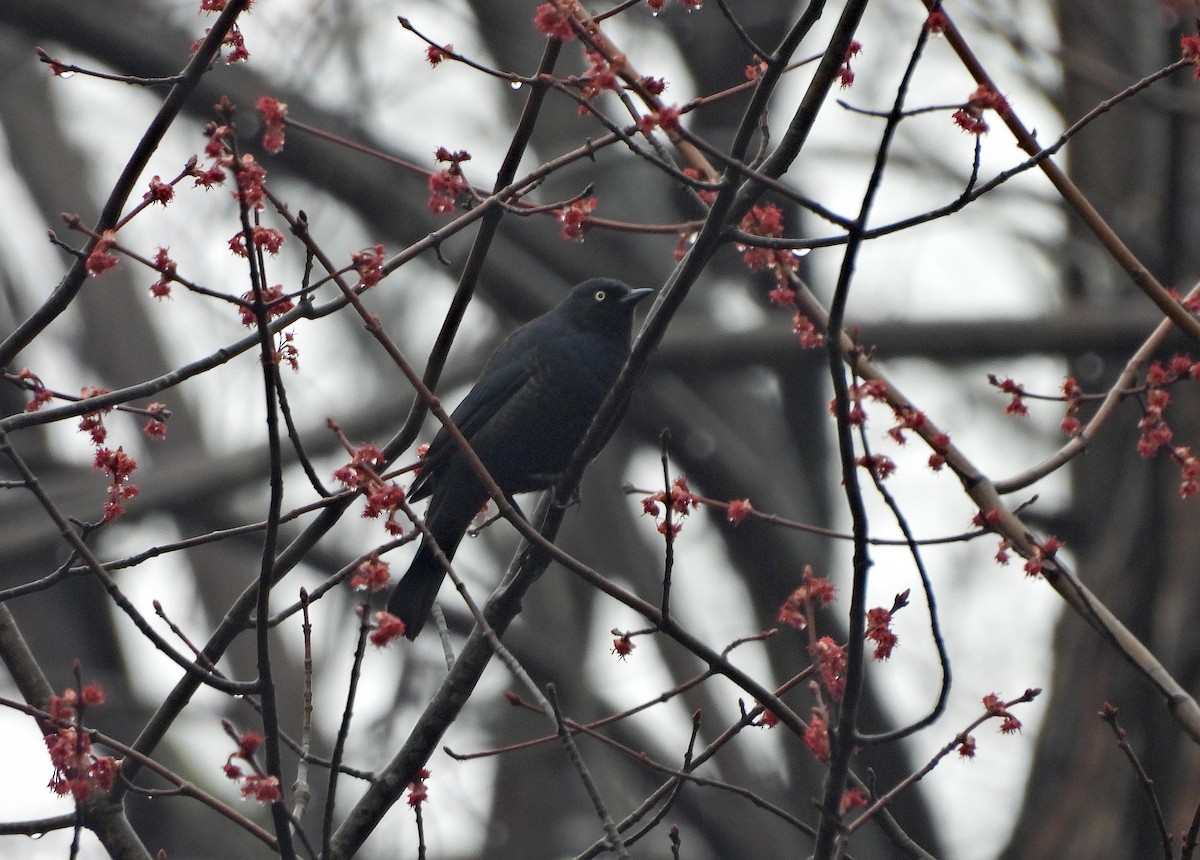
{"points": [[450, 512], [414, 596]]}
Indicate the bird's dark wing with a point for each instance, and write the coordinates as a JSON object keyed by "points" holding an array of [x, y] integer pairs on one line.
{"points": [[497, 385]]}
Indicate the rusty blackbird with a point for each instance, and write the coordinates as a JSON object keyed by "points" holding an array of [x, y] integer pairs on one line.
{"points": [[530, 409]]}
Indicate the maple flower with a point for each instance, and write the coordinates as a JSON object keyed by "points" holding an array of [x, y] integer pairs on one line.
{"points": [[574, 218], [792, 612], [261, 787], [816, 591], [275, 304], [681, 500], [668, 118], [446, 185], [237, 46], [738, 510], [208, 178], [1157, 374], [600, 76], [1189, 467], [879, 631], [767, 221], [418, 792], [937, 22], [671, 530], [970, 116], [845, 73], [995, 707], [1017, 405], [388, 628], [806, 330], [987, 519], [654, 86], [166, 268], [549, 20], [853, 798], [985, 97], [119, 466], [1036, 563], [816, 737], [219, 136], [371, 575], [681, 497], [78, 771], [877, 389], [57, 68], [93, 422], [768, 719], [623, 646], [250, 176], [267, 238], [1154, 435], [969, 122], [435, 55], [831, 661], [820, 590], [101, 259], [1180, 365], [907, 418], [274, 114], [160, 192], [783, 295], [285, 351], [63, 707], [257, 786], [248, 744], [880, 465], [966, 746], [763, 219], [41, 395], [360, 471], [369, 265], [1190, 46], [382, 498]]}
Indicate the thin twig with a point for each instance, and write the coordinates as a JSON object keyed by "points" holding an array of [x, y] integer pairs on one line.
{"points": [[614, 837], [1109, 714]]}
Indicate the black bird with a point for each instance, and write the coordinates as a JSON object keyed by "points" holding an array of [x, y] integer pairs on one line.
{"points": [[530, 409]]}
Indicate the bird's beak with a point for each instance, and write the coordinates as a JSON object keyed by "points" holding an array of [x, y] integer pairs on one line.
{"points": [[636, 295]]}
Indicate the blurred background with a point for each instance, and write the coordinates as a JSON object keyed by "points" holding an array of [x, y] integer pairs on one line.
{"points": [[1011, 285]]}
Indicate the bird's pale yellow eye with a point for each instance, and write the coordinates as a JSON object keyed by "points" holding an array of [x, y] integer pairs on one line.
{"points": [[599, 295]]}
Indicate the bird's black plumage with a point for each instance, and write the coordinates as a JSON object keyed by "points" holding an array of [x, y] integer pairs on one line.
{"points": [[530, 409]]}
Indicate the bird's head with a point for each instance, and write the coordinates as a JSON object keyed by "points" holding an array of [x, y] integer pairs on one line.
{"points": [[603, 303]]}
